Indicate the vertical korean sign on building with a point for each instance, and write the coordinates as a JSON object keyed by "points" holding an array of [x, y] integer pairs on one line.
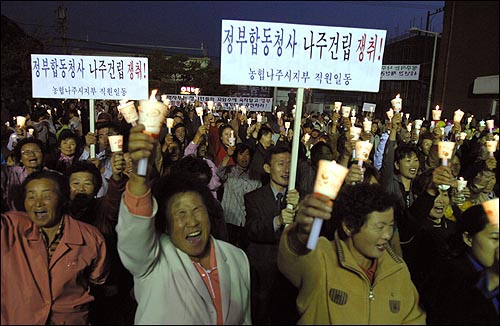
{"points": [[301, 56], [89, 77]]}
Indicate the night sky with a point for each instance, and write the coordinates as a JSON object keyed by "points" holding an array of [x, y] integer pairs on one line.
{"points": [[190, 23]]}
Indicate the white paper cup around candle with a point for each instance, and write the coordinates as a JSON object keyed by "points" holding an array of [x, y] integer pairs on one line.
{"points": [[329, 179], [307, 137], [116, 143], [279, 114], [210, 105], [346, 110], [363, 149], [249, 121], [445, 151], [367, 125], [31, 131], [461, 184], [463, 135], [490, 124], [355, 132], [199, 112], [408, 127], [491, 146], [170, 124], [407, 115], [397, 103], [259, 117], [458, 115], [151, 115], [129, 112], [243, 110], [469, 120], [491, 209], [337, 106], [390, 114], [20, 121], [436, 115], [418, 124], [287, 124], [353, 121]]}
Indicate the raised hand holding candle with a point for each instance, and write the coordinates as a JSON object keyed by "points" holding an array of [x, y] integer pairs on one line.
{"points": [[287, 126], [346, 110], [337, 106], [363, 149], [20, 121], [458, 115], [329, 179], [367, 125], [116, 143], [128, 111], [407, 115], [259, 117], [491, 147], [490, 124], [232, 140], [353, 121], [151, 115], [408, 127], [469, 119], [463, 135], [390, 114], [199, 112], [397, 103], [445, 151], [249, 121], [210, 106], [243, 110], [355, 132], [170, 124], [436, 114]]}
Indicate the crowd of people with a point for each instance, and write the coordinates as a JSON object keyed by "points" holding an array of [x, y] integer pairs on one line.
{"points": [[212, 234]]}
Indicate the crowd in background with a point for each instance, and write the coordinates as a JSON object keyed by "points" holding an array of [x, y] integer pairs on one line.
{"points": [[239, 163]]}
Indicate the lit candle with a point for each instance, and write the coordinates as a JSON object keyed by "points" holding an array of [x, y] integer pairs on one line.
{"points": [[390, 114], [490, 124], [249, 121], [397, 103], [128, 111], [170, 124], [407, 115], [367, 125], [337, 106], [408, 127], [259, 117], [353, 121], [458, 115], [445, 151], [469, 119], [243, 110], [436, 114], [199, 112]]}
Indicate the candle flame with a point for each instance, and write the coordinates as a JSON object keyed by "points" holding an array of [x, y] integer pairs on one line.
{"points": [[153, 95]]}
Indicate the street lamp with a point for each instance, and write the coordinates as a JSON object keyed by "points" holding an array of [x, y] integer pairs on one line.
{"points": [[436, 34]]}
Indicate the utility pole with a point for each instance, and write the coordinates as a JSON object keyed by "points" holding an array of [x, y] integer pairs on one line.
{"points": [[62, 23], [437, 11]]}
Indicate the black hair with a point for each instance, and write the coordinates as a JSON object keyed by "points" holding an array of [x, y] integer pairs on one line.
{"points": [[86, 166], [264, 130], [405, 150], [355, 202], [168, 186], [274, 151], [240, 148], [66, 134], [316, 152], [223, 127]]}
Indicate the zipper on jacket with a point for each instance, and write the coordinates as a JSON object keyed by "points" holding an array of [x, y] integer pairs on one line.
{"points": [[370, 299]]}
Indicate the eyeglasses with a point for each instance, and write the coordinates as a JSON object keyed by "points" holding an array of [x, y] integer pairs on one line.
{"points": [[29, 151]]}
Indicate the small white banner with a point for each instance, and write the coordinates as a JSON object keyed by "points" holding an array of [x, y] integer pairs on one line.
{"points": [[89, 77], [369, 107], [301, 56], [226, 102], [400, 72]]}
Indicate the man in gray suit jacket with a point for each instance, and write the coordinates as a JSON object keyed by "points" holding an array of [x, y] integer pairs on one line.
{"points": [[182, 274]]}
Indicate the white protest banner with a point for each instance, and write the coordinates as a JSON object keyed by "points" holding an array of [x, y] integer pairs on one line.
{"points": [[400, 72], [301, 56], [227, 102], [89, 77], [369, 107]]}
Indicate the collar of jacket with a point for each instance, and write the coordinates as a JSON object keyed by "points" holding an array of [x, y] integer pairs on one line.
{"points": [[388, 263]]}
